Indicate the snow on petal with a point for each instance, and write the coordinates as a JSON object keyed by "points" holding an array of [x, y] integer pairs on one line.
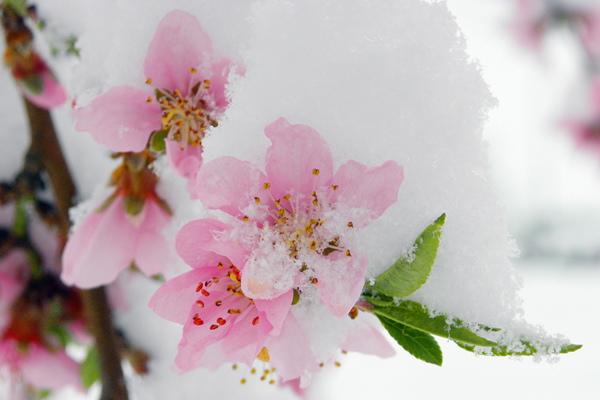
{"points": [[120, 119], [178, 45], [276, 309], [298, 161], [197, 243]]}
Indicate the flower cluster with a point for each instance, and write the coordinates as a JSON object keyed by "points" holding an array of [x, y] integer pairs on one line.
{"points": [[287, 267], [188, 95]]}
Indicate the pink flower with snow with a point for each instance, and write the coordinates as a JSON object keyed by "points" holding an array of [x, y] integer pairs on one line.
{"points": [[291, 252], [189, 95], [126, 228], [297, 222]]}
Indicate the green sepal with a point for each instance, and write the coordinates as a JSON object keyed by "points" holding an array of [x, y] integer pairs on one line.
{"points": [[107, 203], [33, 84], [42, 393], [90, 371], [133, 205], [528, 349], [418, 343], [404, 277], [295, 298], [416, 316], [157, 142], [61, 333]]}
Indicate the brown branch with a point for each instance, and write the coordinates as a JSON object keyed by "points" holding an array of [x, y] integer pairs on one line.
{"points": [[45, 145]]}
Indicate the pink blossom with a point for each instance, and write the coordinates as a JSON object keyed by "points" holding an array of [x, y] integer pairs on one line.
{"points": [[188, 96], [40, 367], [220, 323], [298, 220], [287, 260], [47, 94], [109, 240]]}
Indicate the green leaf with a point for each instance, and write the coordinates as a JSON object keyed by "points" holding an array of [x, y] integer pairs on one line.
{"points": [[404, 277], [526, 349], [416, 316], [418, 343], [90, 371], [157, 143]]}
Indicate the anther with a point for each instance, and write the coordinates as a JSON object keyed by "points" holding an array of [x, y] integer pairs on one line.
{"points": [[314, 281], [200, 304], [286, 197], [313, 245], [266, 186], [220, 265], [218, 303], [271, 382], [198, 321], [199, 287], [255, 321], [193, 70], [243, 381], [234, 367], [149, 100], [350, 225], [348, 253], [206, 82], [221, 321], [256, 200], [315, 172], [204, 292], [353, 313], [253, 371], [334, 187], [148, 81], [245, 218], [316, 203], [337, 364], [213, 327]]}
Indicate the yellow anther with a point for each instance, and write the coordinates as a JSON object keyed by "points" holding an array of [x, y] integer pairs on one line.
{"points": [[149, 100], [348, 253], [266, 186], [337, 364], [316, 203], [313, 221], [313, 245], [264, 356], [245, 219], [276, 202], [193, 70], [206, 82], [256, 200], [243, 381], [271, 382], [350, 225], [281, 212], [234, 367], [220, 265], [316, 172], [286, 197], [283, 220], [253, 371], [148, 81], [334, 187], [308, 229]]}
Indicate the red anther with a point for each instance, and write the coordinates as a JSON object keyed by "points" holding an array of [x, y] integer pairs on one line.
{"points": [[218, 303], [255, 321], [213, 327], [204, 292], [199, 287], [198, 322], [221, 321], [200, 304]]}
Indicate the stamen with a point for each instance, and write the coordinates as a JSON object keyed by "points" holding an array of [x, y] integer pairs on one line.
{"points": [[213, 327], [193, 70], [199, 287], [315, 172], [348, 253], [266, 186], [255, 321], [257, 200], [200, 304], [334, 187], [149, 100], [204, 292], [148, 81], [350, 225], [218, 303]]}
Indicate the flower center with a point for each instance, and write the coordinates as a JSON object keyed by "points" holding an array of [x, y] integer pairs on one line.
{"points": [[185, 117]]}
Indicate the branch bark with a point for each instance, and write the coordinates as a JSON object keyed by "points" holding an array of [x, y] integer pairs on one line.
{"points": [[45, 145]]}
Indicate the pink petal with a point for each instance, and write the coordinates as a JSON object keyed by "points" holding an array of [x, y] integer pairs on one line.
{"points": [[185, 162], [53, 94], [245, 340], [174, 299], [198, 245], [179, 44], [340, 285], [296, 151], [194, 342], [120, 119], [152, 251], [291, 352], [218, 81], [374, 189], [101, 247], [44, 369], [228, 184], [367, 339], [276, 310]]}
